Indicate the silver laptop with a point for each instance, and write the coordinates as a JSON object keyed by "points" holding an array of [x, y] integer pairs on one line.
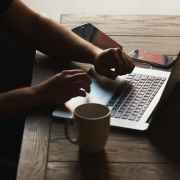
{"points": [[134, 99]]}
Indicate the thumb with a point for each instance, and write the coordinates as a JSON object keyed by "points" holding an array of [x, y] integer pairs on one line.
{"points": [[108, 73]]}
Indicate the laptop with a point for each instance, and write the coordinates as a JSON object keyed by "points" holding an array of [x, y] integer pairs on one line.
{"points": [[134, 99]]}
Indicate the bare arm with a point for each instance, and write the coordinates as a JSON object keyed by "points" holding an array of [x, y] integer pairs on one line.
{"points": [[56, 90], [52, 38], [46, 35]]}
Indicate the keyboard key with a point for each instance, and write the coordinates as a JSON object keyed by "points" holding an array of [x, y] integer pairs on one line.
{"points": [[145, 98], [142, 112], [141, 104], [137, 98], [126, 114], [135, 101], [115, 108], [134, 114], [109, 104], [137, 119], [113, 112], [121, 110], [112, 101], [139, 107], [118, 115], [151, 78], [129, 111], [159, 78], [124, 117], [142, 92], [132, 118], [123, 107], [137, 110], [137, 77], [144, 77], [156, 81], [142, 81], [130, 98]]}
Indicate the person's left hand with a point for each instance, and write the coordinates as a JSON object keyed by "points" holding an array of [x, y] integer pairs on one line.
{"points": [[115, 58]]}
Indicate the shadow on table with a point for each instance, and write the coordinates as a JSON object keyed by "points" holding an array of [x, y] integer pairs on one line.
{"points": [[158, 148], [93, 170]]}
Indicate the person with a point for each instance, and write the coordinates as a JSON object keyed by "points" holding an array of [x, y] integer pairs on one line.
{"points": [[55, 40]]}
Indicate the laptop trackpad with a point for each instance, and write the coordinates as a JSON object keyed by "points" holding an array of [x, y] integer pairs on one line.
{"points": [[102, 89]]}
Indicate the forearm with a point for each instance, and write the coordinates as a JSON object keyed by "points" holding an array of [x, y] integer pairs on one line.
{"points": [[52, 38], [17, 101]]}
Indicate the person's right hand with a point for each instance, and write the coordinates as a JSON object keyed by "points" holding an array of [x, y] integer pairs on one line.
{"points": [[63, 86]]}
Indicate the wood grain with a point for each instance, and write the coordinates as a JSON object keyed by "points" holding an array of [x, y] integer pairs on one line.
{"points": [[169, 46], [128, 25], [128, 154], [112, 171]]}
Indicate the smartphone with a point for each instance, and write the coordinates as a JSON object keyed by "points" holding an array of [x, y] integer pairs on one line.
{"points": [[95, 36], [152, 58]]}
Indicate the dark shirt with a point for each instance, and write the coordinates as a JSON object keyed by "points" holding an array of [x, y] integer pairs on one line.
{"points": [[4, 5]]}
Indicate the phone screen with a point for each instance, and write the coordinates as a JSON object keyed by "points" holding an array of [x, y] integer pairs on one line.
{"points": [[95, 36], [151, 57]]}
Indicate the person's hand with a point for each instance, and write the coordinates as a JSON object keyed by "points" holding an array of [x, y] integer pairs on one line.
{"points": [[63, 86], [113, 58]]}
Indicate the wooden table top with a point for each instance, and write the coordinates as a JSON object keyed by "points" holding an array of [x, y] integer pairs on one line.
{"points": [[47, 154]]}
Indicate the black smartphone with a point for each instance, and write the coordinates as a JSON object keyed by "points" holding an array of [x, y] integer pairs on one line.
{"points": [[95, 36], [152, 58]]}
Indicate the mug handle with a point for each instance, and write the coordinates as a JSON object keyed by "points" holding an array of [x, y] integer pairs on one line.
{"points": [[66, 131]]}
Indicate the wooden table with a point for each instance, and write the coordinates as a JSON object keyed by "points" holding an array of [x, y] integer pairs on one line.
{"points": [[155, 154]]}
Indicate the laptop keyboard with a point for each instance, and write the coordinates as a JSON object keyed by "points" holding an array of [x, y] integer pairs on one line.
{"points": [[134, 95]]}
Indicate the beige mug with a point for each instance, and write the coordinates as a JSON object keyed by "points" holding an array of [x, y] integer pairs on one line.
{"points": [[92, 124]]}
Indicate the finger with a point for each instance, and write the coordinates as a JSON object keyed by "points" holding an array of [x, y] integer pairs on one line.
{"points": [[131, 63], [115, 61], [108, 73], [125, 68], [78, 85], [79, 76], [74, 71], [76, 92]]}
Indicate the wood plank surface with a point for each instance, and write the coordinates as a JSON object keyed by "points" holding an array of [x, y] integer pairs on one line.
{"points": [[128, 154], [160, 144], [112, 171], [128, 25]]}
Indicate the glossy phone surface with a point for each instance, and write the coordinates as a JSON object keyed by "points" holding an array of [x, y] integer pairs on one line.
{"points": [[152, 58], [95, 36]]}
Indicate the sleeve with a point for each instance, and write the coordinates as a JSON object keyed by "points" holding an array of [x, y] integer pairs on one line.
{"points": [[4, 5]]}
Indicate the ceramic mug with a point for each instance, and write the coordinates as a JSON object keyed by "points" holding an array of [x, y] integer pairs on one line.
{"points": [[92, 124]]}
